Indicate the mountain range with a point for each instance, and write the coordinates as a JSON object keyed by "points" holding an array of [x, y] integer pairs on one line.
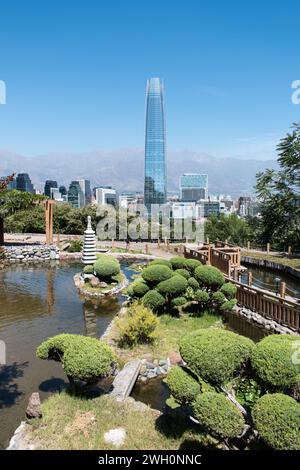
{"points": [[124, 169]]}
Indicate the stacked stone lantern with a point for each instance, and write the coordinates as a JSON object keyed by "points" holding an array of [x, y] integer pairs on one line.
{"points": [[89, 245]]}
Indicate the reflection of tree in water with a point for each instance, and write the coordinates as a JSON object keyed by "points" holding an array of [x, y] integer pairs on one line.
{"points": [[9, 391], [102, 309]]}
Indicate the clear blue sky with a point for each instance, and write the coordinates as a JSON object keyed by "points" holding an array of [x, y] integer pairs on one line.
{"points": [[76, 73]]}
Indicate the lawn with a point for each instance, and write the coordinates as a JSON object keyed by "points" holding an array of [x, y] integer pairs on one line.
{"points": [[285, 260], [77, 423]]}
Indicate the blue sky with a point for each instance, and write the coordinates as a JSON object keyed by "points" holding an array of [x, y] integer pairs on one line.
{"points": [[76, 73]]}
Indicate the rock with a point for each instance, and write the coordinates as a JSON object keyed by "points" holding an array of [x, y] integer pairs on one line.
{"points": [[143, 369], [102, 284], [34, 406], [143, 380], [175, 358], [150, 365], [162, 362], [94, 281], [152, 374]]}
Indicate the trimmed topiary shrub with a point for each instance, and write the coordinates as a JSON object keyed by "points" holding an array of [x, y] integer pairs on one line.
{"points": [[277, 419], [106, 267], [183, 387], [209, 277], [178, 301], [229, 290], [229, 305], [218, 298], [192, 264], [272, 360], [163, 262], [183, 272], [153, 300], [201, 296], [193, 283], [88, 269], [139, 288], [219, 415], [173, 287], [156, 273], [216, 355], [82, 358], [178, 262], [138, 326]]}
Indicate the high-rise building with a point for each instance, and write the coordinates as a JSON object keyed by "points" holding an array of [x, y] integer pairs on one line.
{"points": [[24, 183], [193, 187], [63, 190], [106, 195], [75, 194], [49, 184], [86, 190], [155, 145]]}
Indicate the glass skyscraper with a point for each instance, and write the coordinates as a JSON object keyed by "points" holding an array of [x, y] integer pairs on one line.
{"points": [[155, 145], [193, 186]]}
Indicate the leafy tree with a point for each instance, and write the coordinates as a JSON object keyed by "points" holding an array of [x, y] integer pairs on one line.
{"points": [[228, 227]]}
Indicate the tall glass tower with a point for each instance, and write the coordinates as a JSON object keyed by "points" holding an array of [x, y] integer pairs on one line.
{"points": [[155, 145]]}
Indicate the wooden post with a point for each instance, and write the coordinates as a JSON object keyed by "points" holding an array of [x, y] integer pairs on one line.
{"points": [[57, 238], [207, 240], [249, 278], [282, 289], [49, 221], [146, 248], [268, 248], [112, 243], [248, 246], [1, 231], [158, 243], [289, 250], [209, 254], [168, 245]]}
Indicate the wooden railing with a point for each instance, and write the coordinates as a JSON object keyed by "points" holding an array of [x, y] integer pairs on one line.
{"points": [[226, 259]]}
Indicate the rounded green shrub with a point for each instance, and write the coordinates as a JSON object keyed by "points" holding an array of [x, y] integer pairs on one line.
{"points": [[201, 296], [272, 360], [163, 262], [218, 298], [178, 262], [218, 414], [82, 358], [228, 305], [209, 277], [137, 326], [192, 264], [178, 301], [215, 354], [193, 283], [139, 288], [174, 286], [183, 272], [88, 269], [183, 387], [229, 290], [153, 300], [156, 273], [106, 267], [277, 419]]}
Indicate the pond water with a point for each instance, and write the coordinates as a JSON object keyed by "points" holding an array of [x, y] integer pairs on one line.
{"points": [[36, 303]]}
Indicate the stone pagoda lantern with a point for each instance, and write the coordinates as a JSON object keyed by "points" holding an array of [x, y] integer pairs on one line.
{"points": [[89, 244]]}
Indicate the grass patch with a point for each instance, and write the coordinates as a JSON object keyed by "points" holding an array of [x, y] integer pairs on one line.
{"points": [[123, 250], [168, 334], [285, 260], [77, 423]]}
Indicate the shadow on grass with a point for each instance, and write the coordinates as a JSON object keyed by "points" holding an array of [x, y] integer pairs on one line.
{"points": [[9, 392]]}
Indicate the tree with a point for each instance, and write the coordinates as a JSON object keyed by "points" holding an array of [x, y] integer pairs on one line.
{"points": [[279, 192], [227, 227]]}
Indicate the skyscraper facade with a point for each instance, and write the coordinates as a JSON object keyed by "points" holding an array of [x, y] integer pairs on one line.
{"points": [[24, 183], [193, 187], [49, 184], [155, 145]]}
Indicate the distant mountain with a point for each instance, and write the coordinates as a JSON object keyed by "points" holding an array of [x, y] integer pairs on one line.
{"points": [[124, 169]]}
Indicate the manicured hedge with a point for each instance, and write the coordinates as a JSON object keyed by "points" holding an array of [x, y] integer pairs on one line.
{"points": [[88, 269], [229, 290], [183, 272], [218, 298], [153, 300], [82, 357], [106, 267], [193, 283], [192, 264], [179, 301], [154, 274], [163, 262], [174, 286], [215, 354], [277, 419], [178, 262], [209, 277], [201, 296], [183, 386], [139, 288], [272, 360], [218, 414]]}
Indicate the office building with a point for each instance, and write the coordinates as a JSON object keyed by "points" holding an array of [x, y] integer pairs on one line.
{"points": [[193, 187], [23, 183], [49, 184], [75, 195], [106, 195], [86, 190]]}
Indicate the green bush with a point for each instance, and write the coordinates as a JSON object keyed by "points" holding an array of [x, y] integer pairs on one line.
{"points": [[229, 305], [75, 246], [183, 273], [193, 283], [174, 286], [156, 273], [219, 415], [192, 264], [178, 301], [272, 360], [163, 262], [216, 355], [183, 387], [218, 298], [201, 296], [153, 300], [229, 290], [178, 262], [106, 267], [139, 288], [138, 326], [82, 358], [209, 277], [277, 419], [88, 269]]}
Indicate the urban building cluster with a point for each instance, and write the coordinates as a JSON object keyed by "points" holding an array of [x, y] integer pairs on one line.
{"points": [[192, 201]]}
